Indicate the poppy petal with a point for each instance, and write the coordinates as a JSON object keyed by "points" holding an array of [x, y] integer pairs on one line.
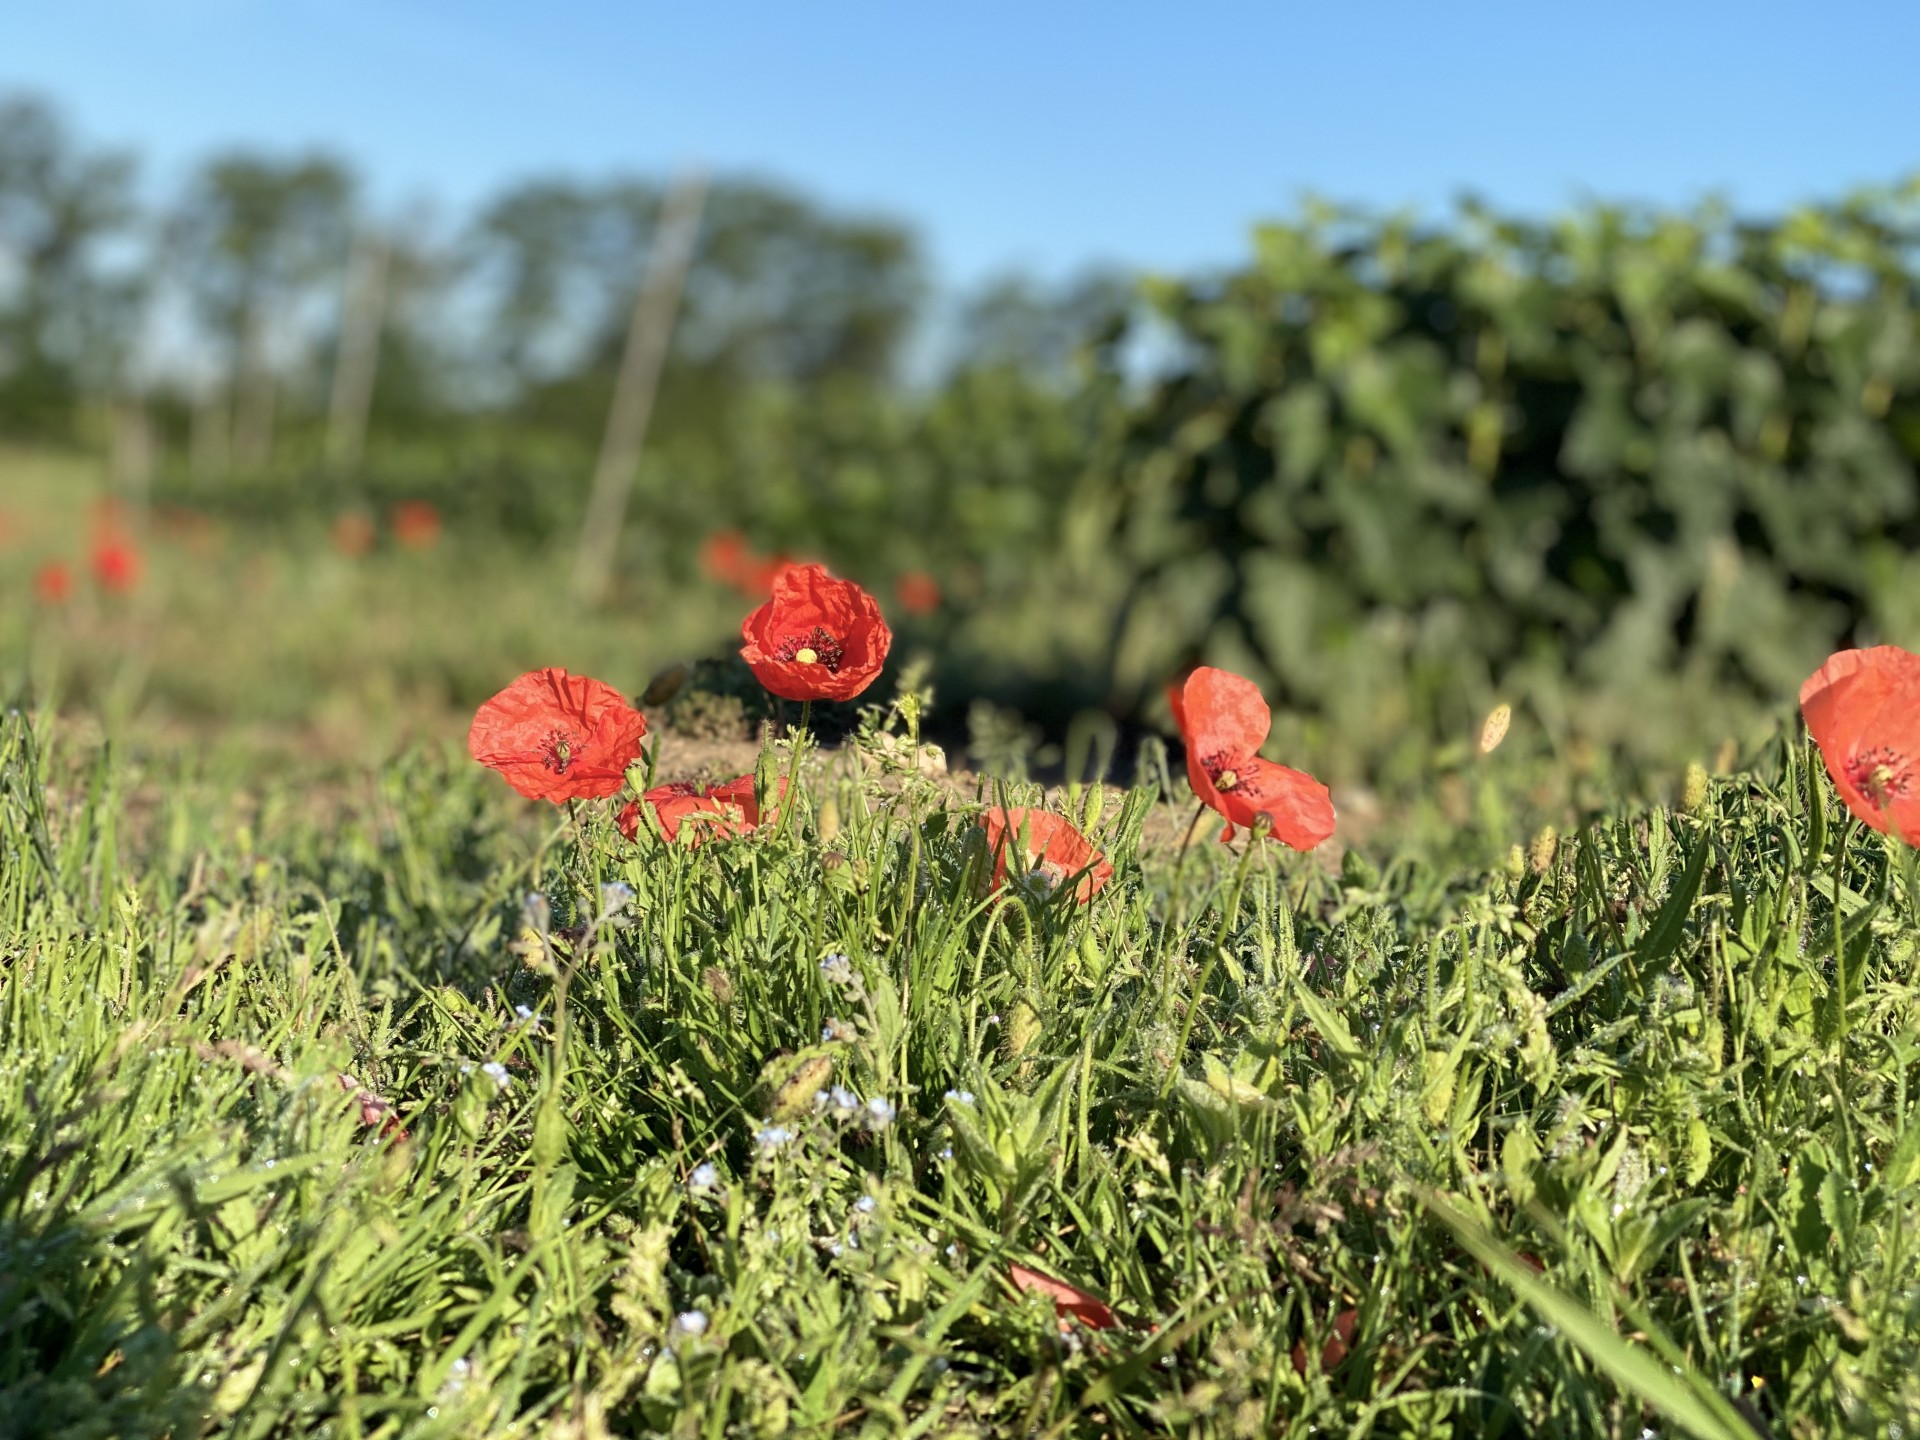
{"points": [[1297, 807], [1225, 711], [1067, 1299]]}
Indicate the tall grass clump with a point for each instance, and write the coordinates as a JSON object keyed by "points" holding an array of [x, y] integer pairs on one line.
{"points": [[399, 1113]]}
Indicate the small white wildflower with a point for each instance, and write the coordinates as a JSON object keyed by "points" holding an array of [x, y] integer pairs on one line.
{"points": [[881, 1110], [837, 968], [960, 1097], [772, 1137], [497, 1073], [836, 1249], [525, 1016], [866, 1204], [946, 1152], [840, 1100], [704, 1177], [691, 1322], [994, 1019], [614, 896]]}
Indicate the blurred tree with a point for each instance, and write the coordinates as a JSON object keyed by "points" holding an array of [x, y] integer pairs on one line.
{"points": [[67, 318], [1014, 322], [253, 239], [779, 291]]}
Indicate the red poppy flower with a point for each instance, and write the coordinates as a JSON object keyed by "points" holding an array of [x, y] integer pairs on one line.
{"points": [[724, 556], [918, 592], [53, 583], [1067, 1299], [818, 638], [556, 736], [1224, 722], [116, 562], [352, 534], [1863, 710], [416, 524], [724, 810], [1055, 850]]}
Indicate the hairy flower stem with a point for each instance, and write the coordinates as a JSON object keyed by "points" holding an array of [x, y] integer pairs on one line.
{"points": [[1214, 951], [797, 738]]}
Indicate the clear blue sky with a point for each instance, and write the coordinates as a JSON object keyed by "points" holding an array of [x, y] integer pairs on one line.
{"points": [[1030, 135]]}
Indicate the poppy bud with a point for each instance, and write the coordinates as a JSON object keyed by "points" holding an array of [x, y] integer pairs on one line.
{"points": [[1694, 794], [1494, 729], [1541, 853]]}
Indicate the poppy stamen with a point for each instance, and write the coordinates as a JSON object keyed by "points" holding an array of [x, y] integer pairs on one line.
{"points": [[1884, 774], [556, 751], [817, 647], [1230, 773]]}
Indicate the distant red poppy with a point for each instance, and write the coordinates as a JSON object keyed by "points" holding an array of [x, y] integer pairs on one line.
{"points": [[53, 583], [1067, 1299], [352, 534], [556, 736], [726, 556], [1224, 722], [1335, 1348], [918, 592], [818, 638], [416, 524], [1863, 710], [116, 562], [724, 811], [1055, 850]]}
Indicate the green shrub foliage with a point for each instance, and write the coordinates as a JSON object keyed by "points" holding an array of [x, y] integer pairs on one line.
{"points": [[1669, 457]]}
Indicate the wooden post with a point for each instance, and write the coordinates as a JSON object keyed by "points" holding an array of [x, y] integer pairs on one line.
{"points": [[255, 394], [648, 332], [211, 441], [363, 313]]}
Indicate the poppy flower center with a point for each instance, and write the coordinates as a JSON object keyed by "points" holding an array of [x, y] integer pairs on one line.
{"points": [[556, 751], [1230, 772], [817, 647], [1883, 774]]}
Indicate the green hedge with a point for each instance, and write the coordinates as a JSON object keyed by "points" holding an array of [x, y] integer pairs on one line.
{"points": [[1662, 462]]}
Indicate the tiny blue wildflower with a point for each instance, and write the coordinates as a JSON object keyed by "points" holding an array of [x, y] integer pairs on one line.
{"points": [[772, 1137], [866, 1204], [960, 1097], [704, 1177], [691, 1322], [881, 1110], [497, 1073]]}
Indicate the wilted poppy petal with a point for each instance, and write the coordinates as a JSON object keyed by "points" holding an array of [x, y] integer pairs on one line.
{"points": [[1067, 1299], [1054, 849], [722, 810]]}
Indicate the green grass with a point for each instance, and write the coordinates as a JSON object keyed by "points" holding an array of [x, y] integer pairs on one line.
{"points": [[1608, 1143]]}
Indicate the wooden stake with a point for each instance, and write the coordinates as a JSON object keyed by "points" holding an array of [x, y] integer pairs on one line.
{"points": [[648, 332], [362, 316]]}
